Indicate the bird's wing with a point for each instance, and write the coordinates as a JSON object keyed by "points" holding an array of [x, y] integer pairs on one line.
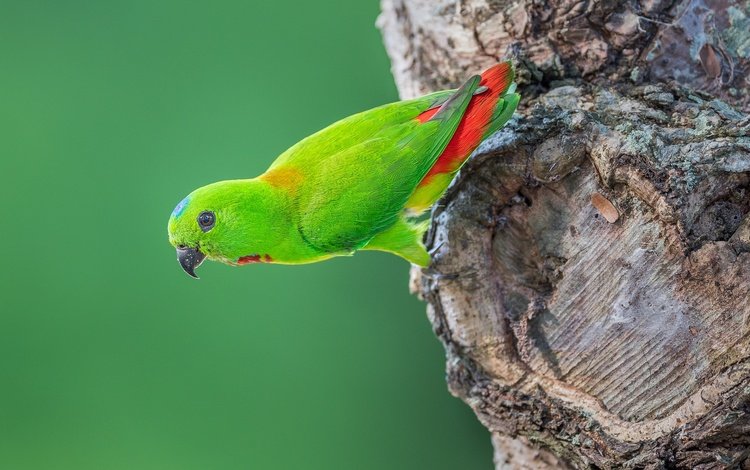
{"points": [[356, 192], [355, 129]]}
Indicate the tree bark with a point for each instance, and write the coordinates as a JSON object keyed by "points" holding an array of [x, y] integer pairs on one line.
{"points": [[591, 263]]}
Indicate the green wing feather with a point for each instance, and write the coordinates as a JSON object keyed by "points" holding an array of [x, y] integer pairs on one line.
{"points": [[312, 151], [359, 173]]}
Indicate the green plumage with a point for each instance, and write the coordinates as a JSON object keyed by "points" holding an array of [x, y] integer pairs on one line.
{"points": [[342, 189]]}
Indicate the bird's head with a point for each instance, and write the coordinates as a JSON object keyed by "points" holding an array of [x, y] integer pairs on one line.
{"points": [[229, 221]]}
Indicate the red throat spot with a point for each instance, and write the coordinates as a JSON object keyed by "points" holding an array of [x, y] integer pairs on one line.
{"points": [[248, 259]]}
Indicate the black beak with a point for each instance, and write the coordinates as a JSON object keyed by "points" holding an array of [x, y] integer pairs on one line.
{"points": [[190, 258]]}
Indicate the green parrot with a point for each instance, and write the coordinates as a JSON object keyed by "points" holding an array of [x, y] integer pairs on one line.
{"points": [[358, 184]]}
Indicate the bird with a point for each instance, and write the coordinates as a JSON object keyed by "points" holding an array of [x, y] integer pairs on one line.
{"points": [[359, 184]]}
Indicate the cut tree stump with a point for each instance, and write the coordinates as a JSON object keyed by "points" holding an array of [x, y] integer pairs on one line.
{"points": [[591, 263]]}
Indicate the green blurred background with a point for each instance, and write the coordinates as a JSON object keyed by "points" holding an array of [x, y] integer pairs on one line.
{"points": [[110, 356]]}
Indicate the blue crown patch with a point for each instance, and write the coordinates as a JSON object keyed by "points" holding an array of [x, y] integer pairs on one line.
{"points": [[180, 207]]}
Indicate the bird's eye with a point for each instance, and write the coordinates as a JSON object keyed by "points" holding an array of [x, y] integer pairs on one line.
{"points": [[206, 220]]}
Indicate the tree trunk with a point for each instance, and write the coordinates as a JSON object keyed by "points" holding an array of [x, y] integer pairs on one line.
{"points": [[591, 263]]}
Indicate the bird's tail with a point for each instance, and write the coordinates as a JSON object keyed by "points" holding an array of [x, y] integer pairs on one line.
{"points": [[490, 108], [504, 99]]}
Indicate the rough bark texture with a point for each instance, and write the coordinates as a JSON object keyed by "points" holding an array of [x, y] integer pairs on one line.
{"points": [[591, 268]]}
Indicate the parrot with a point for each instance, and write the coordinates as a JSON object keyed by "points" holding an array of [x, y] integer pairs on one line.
{"points": [[359, 184]]}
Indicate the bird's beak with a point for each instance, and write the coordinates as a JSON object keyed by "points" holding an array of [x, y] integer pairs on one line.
{"points": [[190, 258]]}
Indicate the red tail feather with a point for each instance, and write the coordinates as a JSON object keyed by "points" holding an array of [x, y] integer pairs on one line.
{"points": [[474, 123]]}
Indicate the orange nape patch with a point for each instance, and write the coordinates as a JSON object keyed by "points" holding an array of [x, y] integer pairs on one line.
{"points": [[472, 127], [249, 259], [283, 177]]}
